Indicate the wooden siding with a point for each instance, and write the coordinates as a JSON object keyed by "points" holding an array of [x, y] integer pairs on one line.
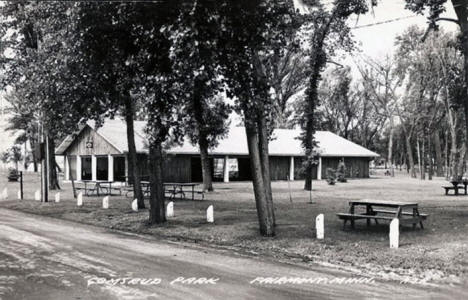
{"points": [[187, 168], [177, 168], [100, 145], [356, 167], [279, 167], [299, 172]]}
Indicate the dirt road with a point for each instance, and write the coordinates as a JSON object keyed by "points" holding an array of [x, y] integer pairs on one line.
{"points": [[45, 258]]}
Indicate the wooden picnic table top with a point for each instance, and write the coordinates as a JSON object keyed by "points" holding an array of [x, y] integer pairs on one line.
{"points": [[96, 181], [175, 183], [389, 203]]}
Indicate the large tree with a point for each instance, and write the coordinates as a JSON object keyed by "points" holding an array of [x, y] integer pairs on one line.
{"points": [[329, 31], [194, 54], [434, 10], [107, 46], [252, 31], [38, 68]]}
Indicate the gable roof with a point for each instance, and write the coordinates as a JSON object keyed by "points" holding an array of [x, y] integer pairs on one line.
{"points": [[285, 142]]}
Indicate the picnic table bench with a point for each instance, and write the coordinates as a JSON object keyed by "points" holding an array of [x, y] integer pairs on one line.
{"points": [[373, 211], [455, 187]]}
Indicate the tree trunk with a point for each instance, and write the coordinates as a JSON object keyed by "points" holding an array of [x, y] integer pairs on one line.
{"points": [[317, 62], [132, 155], [409, 153], [265, 218], [423, 159], [205, 164], [157, 214], [33, 152], [198, 107], [430, 156], [52, 164], [438, 153], [461, 161], [461, 8], [419, 156], [265, 162], [447, 156], [390, 148], [310, 126]]}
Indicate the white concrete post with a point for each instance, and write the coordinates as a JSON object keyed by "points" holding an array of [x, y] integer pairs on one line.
{"points": [[66, 168], [170, 210], [79, 199], [394, 233], [291, 168], [78, 167], [19, 195], [37, 195], [320, 226], [210, 214], [226, 169], [319, 169], [5, 193], [105, 202], [135, 205], [93, 168], [110, 167], [57, 197]]}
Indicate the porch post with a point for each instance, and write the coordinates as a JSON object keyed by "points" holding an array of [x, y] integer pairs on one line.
{"points": [[319, 169], [78, 167], [66, 168], [93, 167], [291, 168], [110, 167], [226, 169]]}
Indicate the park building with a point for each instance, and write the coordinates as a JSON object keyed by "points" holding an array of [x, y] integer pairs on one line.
{"points": [[101, 154]]}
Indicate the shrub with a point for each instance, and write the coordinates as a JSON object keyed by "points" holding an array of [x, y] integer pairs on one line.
{"points": [[341, 172], [331, 176]]}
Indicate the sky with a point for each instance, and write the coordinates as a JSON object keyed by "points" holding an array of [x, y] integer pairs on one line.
{"points": [[378, 40]]}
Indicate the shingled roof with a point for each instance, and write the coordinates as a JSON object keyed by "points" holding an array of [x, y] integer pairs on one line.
{"points": [[285, 142]]}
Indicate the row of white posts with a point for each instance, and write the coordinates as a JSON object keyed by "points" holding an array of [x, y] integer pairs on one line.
{"points": [[394, 234], [169, 207], [105, 203]]}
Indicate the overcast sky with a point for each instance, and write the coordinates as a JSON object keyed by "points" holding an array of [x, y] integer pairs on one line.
{"points": [[378, 40]]}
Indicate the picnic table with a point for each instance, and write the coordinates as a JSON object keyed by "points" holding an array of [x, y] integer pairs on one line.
{"points": [[177, 188], [173, 189], [100, 187], [405, 212], [456, 185]]}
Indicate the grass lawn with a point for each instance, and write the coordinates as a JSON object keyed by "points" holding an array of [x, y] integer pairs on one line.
{"points": [[438, 253]]}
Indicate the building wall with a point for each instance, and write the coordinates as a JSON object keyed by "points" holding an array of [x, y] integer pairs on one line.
{"points": [[299, 172], [356, 167], [100, 145], [279, 167]]}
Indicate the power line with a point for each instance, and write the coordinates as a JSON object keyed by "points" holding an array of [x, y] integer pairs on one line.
{"points": [[384, 22]]}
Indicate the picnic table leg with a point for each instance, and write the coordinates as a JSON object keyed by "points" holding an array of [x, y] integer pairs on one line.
{"points": [[368, 212], [420, 220], [414, 216], [351, 211], [193, 192], [456, 191]]}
